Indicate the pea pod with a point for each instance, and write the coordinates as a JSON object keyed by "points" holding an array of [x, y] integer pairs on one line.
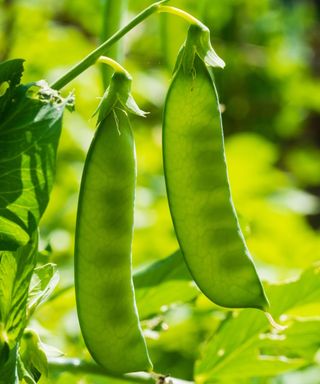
{"points": [[202, 211], [104, 290]]}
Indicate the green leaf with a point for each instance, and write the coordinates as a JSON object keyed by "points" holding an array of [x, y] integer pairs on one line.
{"points": [[10, 75], [172, 267], [163, 283], [29, 135], [15, 274], [33, 356], [8, 370], [23, 372], [43, 282], [11, 71], [245, 347], [301, 339], [305, 290], [234, 352], [153, 300]]}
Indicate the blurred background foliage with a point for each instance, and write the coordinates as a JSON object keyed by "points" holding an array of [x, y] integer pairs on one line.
{"points": [[270, 95]]}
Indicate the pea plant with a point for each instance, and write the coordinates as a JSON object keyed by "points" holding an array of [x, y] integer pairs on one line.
{"points": [[253, 338]]}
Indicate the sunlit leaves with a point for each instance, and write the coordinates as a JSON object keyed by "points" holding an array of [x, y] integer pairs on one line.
{"points": [[29, 135], [295, 294], [30, 127], [33, 360], [15, 273], [162, 284], [43, 282], [246, 345]]}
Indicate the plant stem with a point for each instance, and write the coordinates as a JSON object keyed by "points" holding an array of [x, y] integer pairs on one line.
{"points": [[73, 365], [112, 15], [113, 64], [8, 24], [92, 57], [179, 12]]}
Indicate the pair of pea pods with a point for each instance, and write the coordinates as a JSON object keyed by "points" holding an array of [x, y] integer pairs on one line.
{"points": [[201, 207]]}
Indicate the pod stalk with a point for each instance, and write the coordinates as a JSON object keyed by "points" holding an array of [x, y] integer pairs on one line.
{"points": [[179, 12]]}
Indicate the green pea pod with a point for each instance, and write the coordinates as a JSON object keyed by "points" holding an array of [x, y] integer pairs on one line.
{"points": [[104, 290], [202, 211]]}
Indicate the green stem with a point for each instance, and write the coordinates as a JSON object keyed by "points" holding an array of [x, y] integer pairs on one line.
{"points": [[179, 12], [79, 366], [8, 12], [74, 365], [92, 57], [113, 65], [112, 14]]}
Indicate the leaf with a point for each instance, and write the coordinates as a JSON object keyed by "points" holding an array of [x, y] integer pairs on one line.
{"points": [[305, 290], [301, 339], [43, 282], [235, 351], [163, 283], [245, 347], [23, 372], [29, 134], [8, 370], [28, 143], [11, 71], [33, 356], [15, 274], [172, 267], [10, 75], [153, 300]]}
